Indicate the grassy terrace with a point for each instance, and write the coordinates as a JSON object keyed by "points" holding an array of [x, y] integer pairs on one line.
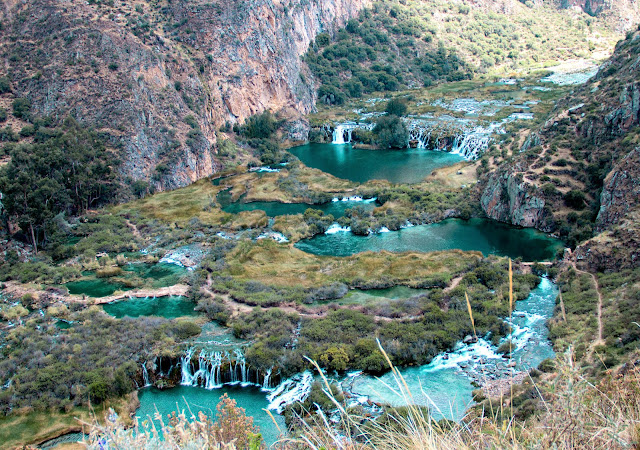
{"points": [[419, 101], [269, 263]]}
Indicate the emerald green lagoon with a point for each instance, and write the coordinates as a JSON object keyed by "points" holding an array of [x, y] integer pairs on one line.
{"points": [[483, 235], [160, 275], [95, 287], [251, 398], [397, 166], [273, 209], [168, 307], [157, 275]]}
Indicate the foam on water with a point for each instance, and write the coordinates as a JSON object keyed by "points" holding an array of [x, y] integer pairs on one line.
{"points": [[336, 228], [294, 389]]}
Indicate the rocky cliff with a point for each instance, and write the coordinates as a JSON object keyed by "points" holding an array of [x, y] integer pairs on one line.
{"points": [[508, 198], [622, 13], [159, 78], [621, 191]]}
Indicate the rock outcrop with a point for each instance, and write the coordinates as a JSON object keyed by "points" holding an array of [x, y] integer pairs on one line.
{"points": [[507, 199], [623, 14], [621, 191], [158, 79]]}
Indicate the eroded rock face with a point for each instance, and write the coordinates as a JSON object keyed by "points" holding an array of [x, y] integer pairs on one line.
{"points": [[507, 199], [623, 14], [138, 71], [615, 249], [621, 191]]}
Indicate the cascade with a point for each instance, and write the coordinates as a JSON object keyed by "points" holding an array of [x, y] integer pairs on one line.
{"points": [[145, 375], [243, 365], [294, 389], [213, 378], [338, 135], [265, 382], [471, 145], [346, 129], [209, 373], [185, 365]]}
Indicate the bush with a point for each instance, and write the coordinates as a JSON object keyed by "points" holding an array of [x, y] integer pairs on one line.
{"points": [[391, 132], [3, 114], [5, 85], [260, 126], [22, 108], [575, 199], [396, 107]]}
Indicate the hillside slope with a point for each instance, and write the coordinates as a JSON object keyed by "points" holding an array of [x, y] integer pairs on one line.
{"points": [[578, 174]]}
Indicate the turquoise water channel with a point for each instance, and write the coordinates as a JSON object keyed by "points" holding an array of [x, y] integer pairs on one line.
{"points": [[158, 275], [397, 166], [169, 307], [444, 387], [251, 398], [273, 209], [486, 236]]}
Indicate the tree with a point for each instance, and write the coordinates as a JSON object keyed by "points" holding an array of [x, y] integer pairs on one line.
{"points": [[5, 85], [64, 170], [260, 126], [335, 358], [22, 108], [391, 132], [575, 199], [396, 107]]}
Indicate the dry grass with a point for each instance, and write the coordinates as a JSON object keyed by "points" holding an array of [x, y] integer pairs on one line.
{"points": [[268, 262], [181, 205], [456, 176]]}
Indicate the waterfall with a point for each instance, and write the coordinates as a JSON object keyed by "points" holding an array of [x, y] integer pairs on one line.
{"points": [[145, 375], [338, 135], [472, 144], [294, 389], [347, 128], [185, 365], [209, 373], [265, 382], [213, 377], [243, 366]]}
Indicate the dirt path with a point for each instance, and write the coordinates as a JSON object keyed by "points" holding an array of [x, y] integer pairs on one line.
{"points": [[454, 284], [134, 229], [600, 339], [178, 289], [17, 290]]}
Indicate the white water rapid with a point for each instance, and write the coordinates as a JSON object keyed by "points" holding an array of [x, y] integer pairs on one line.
{"points": [[294, 389]]}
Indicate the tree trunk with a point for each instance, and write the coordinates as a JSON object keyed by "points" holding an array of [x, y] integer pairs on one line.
{"points": [[33, 239]]}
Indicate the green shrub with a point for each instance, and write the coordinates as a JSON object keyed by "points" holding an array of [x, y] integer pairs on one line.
{"points": [[5, 85], [22, 108]]}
